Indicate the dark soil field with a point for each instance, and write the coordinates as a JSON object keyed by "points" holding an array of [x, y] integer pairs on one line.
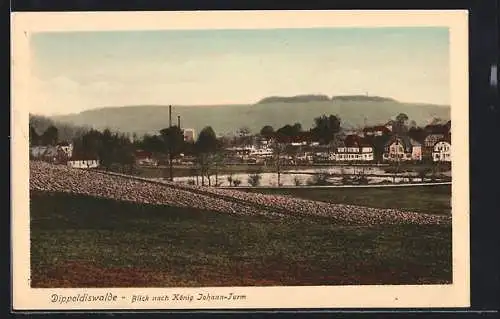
{"points": [[84, 241]]}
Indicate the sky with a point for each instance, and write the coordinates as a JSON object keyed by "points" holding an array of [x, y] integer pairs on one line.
{"points": [[77, 71]]}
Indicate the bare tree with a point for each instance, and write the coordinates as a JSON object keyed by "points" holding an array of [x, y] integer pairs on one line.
{"points": [[278, 150], [173, 139], [206, 146], [244, 134]]}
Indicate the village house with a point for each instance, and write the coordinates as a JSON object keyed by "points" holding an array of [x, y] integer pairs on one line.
{"points": [[429, 142], [402, 148], [434, 133], [83, 162], [52, 154], [320, 157], [67, 148], [378, 130], [238, 153], [145, 158], [189, 134], [37, 152], [354, 149], [261, 152], [304, 158], [442, 151], [431, 139]]}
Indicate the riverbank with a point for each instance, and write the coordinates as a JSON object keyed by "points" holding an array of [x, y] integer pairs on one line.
{"points": [[372, 169]]}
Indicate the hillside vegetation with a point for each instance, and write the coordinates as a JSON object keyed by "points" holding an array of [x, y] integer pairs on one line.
{"points": [[224, 119], [66, 131]]}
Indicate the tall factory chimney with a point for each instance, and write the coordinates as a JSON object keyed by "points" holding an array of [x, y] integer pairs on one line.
{"points": [[179, 121], [170, 116]]}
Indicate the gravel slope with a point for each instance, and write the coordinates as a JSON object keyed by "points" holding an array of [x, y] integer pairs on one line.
{"points": [[57, 178]]}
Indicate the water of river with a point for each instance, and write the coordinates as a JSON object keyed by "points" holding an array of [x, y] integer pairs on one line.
{"points": [[304, 176], [271, 179]]}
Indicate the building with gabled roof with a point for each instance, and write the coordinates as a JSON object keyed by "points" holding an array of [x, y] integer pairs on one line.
{"points": [[441, 151], [83, 161], [402, 148], [353, 149]]}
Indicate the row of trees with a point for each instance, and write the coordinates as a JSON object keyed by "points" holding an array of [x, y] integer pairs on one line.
{"points": [[39, 124], [117, 149], [324, 130], [326, 127], [112, 149]]}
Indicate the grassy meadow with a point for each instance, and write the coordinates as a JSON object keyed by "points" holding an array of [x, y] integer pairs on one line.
{"points": [[434, 199]]}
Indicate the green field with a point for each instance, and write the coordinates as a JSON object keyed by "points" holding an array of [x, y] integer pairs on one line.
{"points": [[428, 199], [79, 241]]}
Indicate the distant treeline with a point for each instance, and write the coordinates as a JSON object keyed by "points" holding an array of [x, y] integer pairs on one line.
{"points": [[320, 97]]}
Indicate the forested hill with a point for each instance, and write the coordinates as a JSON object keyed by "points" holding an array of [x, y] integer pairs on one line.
{"points": [[362, 98], [227, 119], [321, 97], [66, 131], [293, 99]]}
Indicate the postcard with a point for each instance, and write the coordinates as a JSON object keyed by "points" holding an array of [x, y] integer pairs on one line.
{"points": [[237, 160]]}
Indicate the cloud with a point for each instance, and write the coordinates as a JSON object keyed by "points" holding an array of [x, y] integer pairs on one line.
{"points": [[408, 74]]}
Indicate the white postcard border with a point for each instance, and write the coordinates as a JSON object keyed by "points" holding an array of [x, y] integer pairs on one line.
{"points": [[387, 296]]}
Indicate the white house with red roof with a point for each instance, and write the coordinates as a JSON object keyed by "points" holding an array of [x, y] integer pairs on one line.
{"points": [[145, 158]]}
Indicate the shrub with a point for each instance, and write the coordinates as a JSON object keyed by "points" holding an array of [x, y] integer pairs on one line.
{"points": [[423, 172], [362, 180], [297, 181], [320, 179], [236, 182], [385, 182], [254, 179], [346, 180]]}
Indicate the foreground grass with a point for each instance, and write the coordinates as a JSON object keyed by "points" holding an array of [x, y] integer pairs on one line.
{"points": [[428, 199], [78, 241]]}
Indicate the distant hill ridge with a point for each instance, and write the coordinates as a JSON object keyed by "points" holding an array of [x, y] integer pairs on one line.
{"points": [[321, 97], [363, 98], [291, 99], [354, 110]]}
